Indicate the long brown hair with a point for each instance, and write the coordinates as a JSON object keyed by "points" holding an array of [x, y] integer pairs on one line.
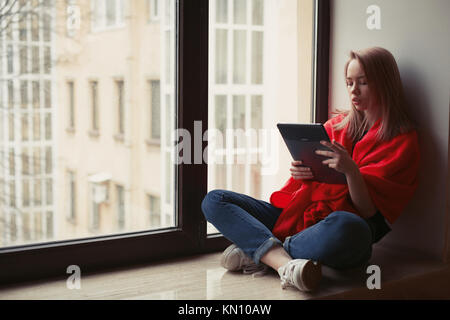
{"points": [[384, 80]]}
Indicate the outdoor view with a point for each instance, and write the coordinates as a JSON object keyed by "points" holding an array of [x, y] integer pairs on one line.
{"points": [[87, 109]]}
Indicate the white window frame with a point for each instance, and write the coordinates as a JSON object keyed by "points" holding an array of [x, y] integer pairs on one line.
{"points": [[229, 89]]}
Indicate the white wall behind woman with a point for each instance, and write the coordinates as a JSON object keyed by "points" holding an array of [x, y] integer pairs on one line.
{"points": [[417, 32]]}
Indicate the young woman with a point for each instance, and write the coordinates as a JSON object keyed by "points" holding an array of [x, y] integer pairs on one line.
{"points": [[307, 223]]}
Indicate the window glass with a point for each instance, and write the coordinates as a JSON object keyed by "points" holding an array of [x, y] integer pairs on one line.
{"points": [[259, 63], [77, 117]]}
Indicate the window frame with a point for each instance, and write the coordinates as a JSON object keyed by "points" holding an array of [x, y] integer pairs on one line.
{"points": [[51, 259]]}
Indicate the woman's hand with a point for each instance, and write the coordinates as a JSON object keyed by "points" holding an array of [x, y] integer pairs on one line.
{"points": [[339, 160], [299, 172]]}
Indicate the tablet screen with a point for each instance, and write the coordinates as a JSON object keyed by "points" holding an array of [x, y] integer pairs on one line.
{"points": [[302, 141]]}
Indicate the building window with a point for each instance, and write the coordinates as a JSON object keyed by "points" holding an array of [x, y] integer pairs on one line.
{"points": [[48, 160], [10, 59], [26, 226], [48, 126], [154, 210], [37, 192], [12, 162], [47, 60], [37, 160], [71, 104], [25, 126], [120, 198], [36, 94], [155, 110], [35, 60], [120, 107], [95, 216], [94, 105], [49, 224], [38, 225], [107, 14], [37, 126], [24, 94], [49, 191], [10, 94], [13, 227], [25, 162], [153, 10], [23, 52], [72, 195], [26, 193], [47, 94]]}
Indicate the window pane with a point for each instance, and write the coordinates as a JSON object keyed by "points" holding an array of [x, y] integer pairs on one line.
{"points": [[257, 12], [120, 107], [221, 55], [257, 57], [270, 68], [239, 11], [78, 118], [239, 56], [155, 109]]}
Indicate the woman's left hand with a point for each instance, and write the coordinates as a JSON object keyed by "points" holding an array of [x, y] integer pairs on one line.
{"points": [[339, 160]]}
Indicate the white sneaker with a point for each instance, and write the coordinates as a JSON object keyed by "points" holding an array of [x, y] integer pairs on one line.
{"points": [[303, 274], [234, 259]]}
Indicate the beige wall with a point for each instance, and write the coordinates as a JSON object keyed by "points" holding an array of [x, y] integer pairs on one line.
{"points": [[416, 32], [131, 53]]}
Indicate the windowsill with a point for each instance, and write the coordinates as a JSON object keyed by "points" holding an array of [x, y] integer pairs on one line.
{"points": [[405, 276], [153, 142], [95, 30], [93, 133]]}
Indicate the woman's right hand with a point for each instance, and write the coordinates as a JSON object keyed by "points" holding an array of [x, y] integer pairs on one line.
{"points": [[300, 172]]}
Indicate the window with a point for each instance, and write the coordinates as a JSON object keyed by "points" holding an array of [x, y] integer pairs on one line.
{"points": [[12, 162], [36, 94], [24, 94], [71, 104], [155, 110], [94, 106], [153, 10], [47, 94], [48, 126], [120, 107], [72, 196], [95, 217], [154, 209], [120, 198], [107, 14], [24, 60], [177, 62], [35, 60], [249, 57]]}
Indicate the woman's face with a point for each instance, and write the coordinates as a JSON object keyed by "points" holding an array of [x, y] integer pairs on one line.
{"points": [[358, 89]]}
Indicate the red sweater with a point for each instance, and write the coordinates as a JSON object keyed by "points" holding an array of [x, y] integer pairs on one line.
{"points": [[388, 168]]}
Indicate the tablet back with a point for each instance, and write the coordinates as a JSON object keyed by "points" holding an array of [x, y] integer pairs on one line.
{"points": [[302, 141]]}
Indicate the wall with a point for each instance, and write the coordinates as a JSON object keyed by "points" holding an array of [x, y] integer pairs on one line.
{"points": [[416, 32]]}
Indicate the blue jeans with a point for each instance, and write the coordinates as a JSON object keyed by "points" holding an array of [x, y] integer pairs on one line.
{"points": [[341, 240]]}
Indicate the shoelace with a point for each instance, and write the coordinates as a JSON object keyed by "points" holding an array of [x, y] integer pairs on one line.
{"points": [[286, 276]]}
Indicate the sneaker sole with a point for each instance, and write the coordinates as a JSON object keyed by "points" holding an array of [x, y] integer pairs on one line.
{"points": [[311, 275], [226, 259]]}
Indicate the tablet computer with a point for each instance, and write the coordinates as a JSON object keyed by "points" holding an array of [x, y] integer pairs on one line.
{"points": [[302, 141]]}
